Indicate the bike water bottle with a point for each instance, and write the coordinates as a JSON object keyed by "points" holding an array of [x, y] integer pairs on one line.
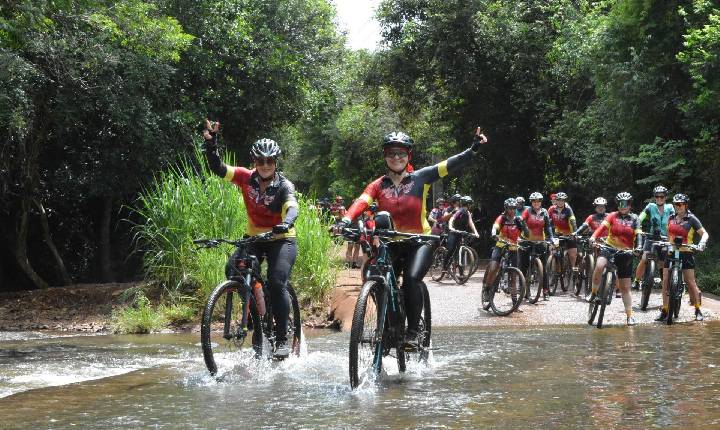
{"points": [[259, 298]]}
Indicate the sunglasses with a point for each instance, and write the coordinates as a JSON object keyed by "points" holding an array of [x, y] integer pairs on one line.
{"points": [[660, 196], [623, 204], [679, 204], [264, 161], [396, 154]]}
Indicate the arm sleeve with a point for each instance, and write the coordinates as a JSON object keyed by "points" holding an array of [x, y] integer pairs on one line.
{"points": [[290, 205], [522, 225], [213, 157], [695, 223], [639, 238], [362, 203], [643, 215], [495, 227], [451, 166], [582, 229]]}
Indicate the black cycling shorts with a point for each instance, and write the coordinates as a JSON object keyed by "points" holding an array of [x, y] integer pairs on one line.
{"points": [[497, 252], [687, 259], [569, 243], [623, 262]]}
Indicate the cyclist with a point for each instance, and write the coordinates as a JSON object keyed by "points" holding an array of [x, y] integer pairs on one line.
{"points": [[593, 221], [338, 208], [271, 206], [508, 227], [401, 192], [434, 218], [658, 214], [461, 221], [453, 207], [520, 200], [622, 229], [684, 225], [563, 219], [539, 228]]}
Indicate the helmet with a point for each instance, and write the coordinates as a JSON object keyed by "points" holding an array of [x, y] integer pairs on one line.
{"points": [[439, 201], [338, 199], [466, 200], [520, 200], [536, 196], [659, 190], [561, 196], [398, 138], [265, 148], [623, 196], [681, 198], [600, 201], [455, 197], [510, 203]]}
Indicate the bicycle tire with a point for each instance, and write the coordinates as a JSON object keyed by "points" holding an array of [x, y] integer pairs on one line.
{"points": [[476, 259], [578, 284], [501, 299], [674, 291], [463, 264], [566, 273], [483, 302], [587, 275], [294, 323], [213, 346], [436, 269], [647, 284], [365, 337], [606, 297], [538, 277], [553, 276]]}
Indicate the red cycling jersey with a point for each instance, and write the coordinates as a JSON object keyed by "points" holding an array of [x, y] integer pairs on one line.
{"points": [[683, 228], [622, 230], [508, 228], [406, 201], [593, 221], [563, 219], [538, 223]]}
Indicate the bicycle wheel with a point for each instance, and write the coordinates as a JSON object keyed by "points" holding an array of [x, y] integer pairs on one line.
{"points": [[566, 277], [476, 259], [674, 293], [485, 297], [647, 284], [607, 296], [294, 334], [507, 291], [464, 263], [366, 333], [436, 273], [553, 273], [221, 335], [587, 274], [535, 280]]}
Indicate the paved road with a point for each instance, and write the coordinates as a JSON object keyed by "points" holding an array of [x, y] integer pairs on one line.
{"points": [[458, 305]]}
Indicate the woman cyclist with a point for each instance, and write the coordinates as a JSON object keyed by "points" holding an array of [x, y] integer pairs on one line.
{"points": [[658, 214], [593, 221], [507, 227], [461, 221], [539, 229], [563, 220], [622, 228], [402, 192], [684, 225], [271, 206]]}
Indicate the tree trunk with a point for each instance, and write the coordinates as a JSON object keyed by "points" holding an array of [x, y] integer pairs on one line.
{"points": [[21, 247], [59, 264], [105, 245]]}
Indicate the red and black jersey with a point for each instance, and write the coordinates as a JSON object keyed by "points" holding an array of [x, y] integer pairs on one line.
{"points": [[509, 229], [538, 224], [622, 230], [683, 228], [461, 220], [337, 210], [563, 219], [267, 209], [406, 201], [594, 221]]}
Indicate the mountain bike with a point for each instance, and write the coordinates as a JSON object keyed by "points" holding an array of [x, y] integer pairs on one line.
{"points": [[676, 285], [240, 304], [653, 257], [463, 264], [586, 267], [535, 276], [378, 324], [607, 284], [436, 269], [507, 291], [558, 266]]}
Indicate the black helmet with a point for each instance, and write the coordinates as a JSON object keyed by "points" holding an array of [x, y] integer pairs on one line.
{"points": [[623, 197], [660, 190], [265, 148], [510, 203], [398, 138], [466, 200], [455, 197], [561, 196], [681, 198]]}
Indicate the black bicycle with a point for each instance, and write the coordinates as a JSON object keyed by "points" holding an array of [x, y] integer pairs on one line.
{"points": [[507, 291], [462, 265], [535, 276], [586, 267], [651, 265], [607, 284], [676, 286], [558, 266], [241, 304], [378, 325]]}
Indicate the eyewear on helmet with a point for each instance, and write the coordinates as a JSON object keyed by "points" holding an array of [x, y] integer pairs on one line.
{"points": [[396, 153], [622, 204], [262, 161]]}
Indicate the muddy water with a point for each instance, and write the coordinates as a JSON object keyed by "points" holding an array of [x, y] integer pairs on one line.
{"points": [[565, 377]]}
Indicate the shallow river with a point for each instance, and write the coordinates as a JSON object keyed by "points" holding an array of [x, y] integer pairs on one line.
{"points": [[566, 377]]}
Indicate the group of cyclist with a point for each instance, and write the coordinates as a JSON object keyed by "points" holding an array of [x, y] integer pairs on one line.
{"points": [[402, 191], [619, 230]]}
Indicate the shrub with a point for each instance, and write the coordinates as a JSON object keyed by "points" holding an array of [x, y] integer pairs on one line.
{"points": [[141, 317]]}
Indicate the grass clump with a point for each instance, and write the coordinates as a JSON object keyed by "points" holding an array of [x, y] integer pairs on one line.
{"points": [[708, 269], [140, 317]]}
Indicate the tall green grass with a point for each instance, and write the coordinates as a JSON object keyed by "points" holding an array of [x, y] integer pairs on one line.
{"points": [[188, 202]]}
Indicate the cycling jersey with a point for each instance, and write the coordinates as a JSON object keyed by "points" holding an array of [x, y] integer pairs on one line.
{"points": [[406, 201], [657, 219], [509, 229], [337, 210], [538, 224], [622, 230], [592, 223], [563, 219], [439, 226], [684, 228], [461, 220], [519, 211]]}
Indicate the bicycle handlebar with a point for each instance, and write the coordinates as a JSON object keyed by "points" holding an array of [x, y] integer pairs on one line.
{"points": [[214, 243], [353, 233]]}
